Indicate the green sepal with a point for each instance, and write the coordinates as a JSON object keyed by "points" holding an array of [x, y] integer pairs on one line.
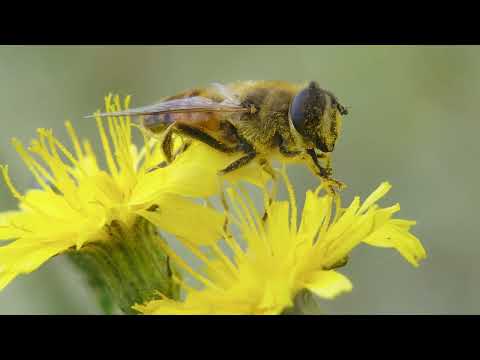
{"points": [[305, 303], [95, 281], [128, 268]]}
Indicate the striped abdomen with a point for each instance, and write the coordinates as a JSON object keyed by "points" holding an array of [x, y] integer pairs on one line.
{"points": [[202, 120]]}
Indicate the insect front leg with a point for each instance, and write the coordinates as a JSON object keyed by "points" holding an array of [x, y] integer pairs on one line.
{"points": [[324, 172], [284, 149]]}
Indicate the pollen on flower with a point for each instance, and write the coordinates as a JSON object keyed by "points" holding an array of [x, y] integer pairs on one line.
{"points": [[282, 258]]}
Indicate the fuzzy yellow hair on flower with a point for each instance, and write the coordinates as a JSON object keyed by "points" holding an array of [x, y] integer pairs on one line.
{"points": [[280, 258], [77, 199]]}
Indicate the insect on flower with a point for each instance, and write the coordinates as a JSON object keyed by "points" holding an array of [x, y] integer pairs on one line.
{"points": [[260, 120]]}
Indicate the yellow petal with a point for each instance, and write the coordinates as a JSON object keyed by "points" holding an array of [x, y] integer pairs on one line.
{"points": [[392, 235], [403, 224], [191, 174], [169, 307], [217, 161], [51, 204], [194, 173], [327, 284], [382, 189], [341, 246], [251, 173], [7, 231], [314, 211], [185, 219], [345, 221], [25, 256], [278, 230]]}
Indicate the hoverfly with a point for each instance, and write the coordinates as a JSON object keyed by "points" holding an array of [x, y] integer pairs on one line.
{"points": [[259, 120]]}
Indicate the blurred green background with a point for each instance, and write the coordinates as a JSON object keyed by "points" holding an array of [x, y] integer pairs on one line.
{"points": [[413, 121]]}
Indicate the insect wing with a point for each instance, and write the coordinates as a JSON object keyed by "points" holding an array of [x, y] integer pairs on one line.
{"points": [[185, 105], [228, 94]]}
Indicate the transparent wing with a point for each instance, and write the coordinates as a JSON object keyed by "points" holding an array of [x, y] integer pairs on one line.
{"points": [[195, 104], [227, 93]]}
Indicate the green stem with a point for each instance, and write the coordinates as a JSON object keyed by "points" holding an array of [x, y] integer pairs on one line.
{"points": [[129, 268]]}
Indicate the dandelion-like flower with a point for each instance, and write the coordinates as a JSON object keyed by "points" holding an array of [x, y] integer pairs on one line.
{"points": [[280, 258], [79, 204]]}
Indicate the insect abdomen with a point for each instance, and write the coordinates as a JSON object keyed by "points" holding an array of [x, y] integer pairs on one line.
{"points": [[201, 120]]}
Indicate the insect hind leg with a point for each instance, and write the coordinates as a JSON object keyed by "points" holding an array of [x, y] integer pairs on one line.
{"points": [[166, 142], [205, 138], [167, 145]]}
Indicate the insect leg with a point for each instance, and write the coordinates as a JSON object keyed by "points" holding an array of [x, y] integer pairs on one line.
{"points": [[268, 168], [323, 172], [245, 147], [166, 141], [239, 163], [284, 150], [250, 154], [326, 172], [205, 138], [167, 145]]}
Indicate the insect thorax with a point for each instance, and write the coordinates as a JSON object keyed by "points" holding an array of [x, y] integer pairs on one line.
{"points": [[268, 118]]}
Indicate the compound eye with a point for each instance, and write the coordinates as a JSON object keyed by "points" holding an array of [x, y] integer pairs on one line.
{"points": [[298, 109]]}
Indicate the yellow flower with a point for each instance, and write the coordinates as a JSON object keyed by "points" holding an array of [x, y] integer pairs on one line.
{"points": [[78, 200], [280, 258]]}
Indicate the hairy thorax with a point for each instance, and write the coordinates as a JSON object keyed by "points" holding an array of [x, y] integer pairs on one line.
{"points": [[268, 120]]}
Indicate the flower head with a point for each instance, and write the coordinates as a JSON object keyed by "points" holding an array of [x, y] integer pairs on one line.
{"points": [[280, 258], [77, 199]]}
